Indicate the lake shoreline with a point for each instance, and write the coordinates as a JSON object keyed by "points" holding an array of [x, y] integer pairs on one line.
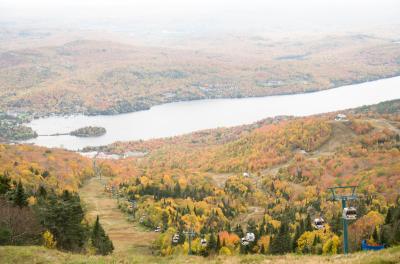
{"points": [[188, 116], [189, 99]]}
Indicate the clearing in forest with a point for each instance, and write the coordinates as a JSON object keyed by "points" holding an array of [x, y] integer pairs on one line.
{"points": [[126, 236]]}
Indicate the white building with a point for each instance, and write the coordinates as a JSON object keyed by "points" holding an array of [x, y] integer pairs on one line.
{"points": [[341, 117]]}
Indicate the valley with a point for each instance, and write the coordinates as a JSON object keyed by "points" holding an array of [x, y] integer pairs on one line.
{"points": [[228, 181], [107, 77], [188, 131]]}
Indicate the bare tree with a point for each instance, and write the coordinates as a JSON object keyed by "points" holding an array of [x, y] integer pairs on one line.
{"points": [[21, 224]]}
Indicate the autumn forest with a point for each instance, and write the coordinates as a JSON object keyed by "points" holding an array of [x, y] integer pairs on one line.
{"points": [[187, 131], [206, 192]]}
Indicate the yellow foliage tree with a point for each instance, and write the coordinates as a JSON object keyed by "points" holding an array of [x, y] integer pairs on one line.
{"points": [[325, 237], [331, 245], [48, 240], [263, 243], [225, 251]]}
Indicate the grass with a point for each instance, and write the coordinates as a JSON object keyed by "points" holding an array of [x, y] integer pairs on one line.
{"points": [[35, 254], [126, 236]]}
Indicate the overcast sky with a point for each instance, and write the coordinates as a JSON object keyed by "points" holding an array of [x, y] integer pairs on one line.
{"points": [[207, 14]]}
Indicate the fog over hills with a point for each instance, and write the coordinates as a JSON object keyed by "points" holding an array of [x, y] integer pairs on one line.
{"points": [[177, 18]]}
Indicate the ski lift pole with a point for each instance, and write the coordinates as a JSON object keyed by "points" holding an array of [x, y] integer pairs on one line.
{"points": [[190, 243], [345, 230], [191, 234], [350, 195]]}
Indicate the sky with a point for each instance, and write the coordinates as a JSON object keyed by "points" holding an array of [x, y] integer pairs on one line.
{"points": [[206, 15]]}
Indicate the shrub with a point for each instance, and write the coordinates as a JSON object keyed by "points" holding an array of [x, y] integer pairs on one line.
{"points": [[225, 251], [48, 240]]}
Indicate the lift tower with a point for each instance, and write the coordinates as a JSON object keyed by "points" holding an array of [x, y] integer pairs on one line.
{"points": [[344, 194], [191, 234]]}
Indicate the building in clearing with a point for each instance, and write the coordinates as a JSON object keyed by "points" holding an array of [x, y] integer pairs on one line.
{"points": [[341, 117]]}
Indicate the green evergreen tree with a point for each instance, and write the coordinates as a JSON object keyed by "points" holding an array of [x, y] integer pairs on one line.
{"points": [[383, 237], [63, 216], [281, 242], [165, 218], [388, 218], [177, 190], [295, 238], [239, 231], [45, 174], [5, 185], [100, 239], [19, 197], [203, 230], [212, 243], [315, 241], [375, 235], [251, 226], [242, 249], [42, 192], [219, 245], [228, 226], [390, 232], [261, 230], [308, 225], [182, 238], [337, 224], [396, 237]]}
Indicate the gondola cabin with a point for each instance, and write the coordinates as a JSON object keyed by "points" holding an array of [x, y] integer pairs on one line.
{"points": [[319, 223], [203, 242], [349, 213], [175, 239], [158, 229], [244, 241], [250, 237]]}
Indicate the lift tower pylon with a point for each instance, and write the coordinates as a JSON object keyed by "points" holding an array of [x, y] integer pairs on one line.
{"points": [[344, 194]]}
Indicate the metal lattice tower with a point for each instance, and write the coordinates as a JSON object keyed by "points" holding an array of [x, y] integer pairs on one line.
{"points": [[349, 193], [191, 234]]}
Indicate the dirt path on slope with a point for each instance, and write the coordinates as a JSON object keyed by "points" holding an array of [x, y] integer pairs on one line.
{"points": [[126, 236], [341, 135]]}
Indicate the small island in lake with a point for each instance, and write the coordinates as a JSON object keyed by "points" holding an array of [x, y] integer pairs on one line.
{"points": [[89, 131]]}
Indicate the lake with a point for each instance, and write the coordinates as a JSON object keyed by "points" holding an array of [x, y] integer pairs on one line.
{"points": [[184, 117]]}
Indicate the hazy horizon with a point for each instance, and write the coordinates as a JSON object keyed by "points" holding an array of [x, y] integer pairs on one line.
{"points": [[204, 17]]}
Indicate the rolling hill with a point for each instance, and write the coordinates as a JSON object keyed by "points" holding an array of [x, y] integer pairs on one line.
{"points": [[108, 77]]}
